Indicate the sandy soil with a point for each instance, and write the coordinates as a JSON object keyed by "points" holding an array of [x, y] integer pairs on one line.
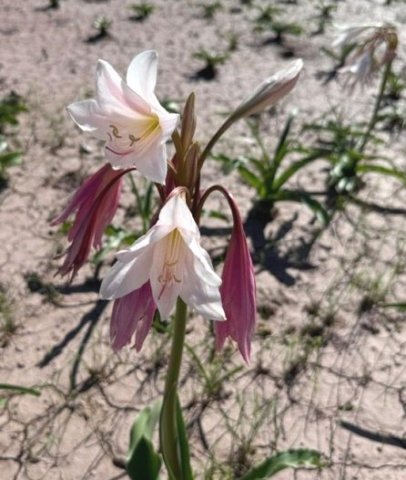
{"points": [[325, 373]]}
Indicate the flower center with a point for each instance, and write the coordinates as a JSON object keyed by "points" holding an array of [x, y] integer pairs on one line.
{"points": [[172, 253]]}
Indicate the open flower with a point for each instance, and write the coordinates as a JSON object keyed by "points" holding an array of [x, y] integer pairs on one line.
{"points": [[95, 203], [170, 257], [128, 117], [370, 47]]}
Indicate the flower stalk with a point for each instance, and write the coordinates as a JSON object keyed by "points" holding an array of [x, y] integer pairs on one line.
{"points": [[169, 434], [377, 106]]}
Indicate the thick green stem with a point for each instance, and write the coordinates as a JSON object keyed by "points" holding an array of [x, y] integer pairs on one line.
{"points": [[374, 117], [169, 431]]}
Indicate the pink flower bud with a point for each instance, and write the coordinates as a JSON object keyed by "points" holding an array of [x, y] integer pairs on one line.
{"points": [[95, 203], [237, 291]]}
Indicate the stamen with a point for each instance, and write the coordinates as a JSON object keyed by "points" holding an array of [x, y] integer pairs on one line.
{"points": [[133, 139], [172, 254], [115, 131]]}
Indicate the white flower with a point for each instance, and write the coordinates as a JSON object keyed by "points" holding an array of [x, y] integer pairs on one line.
{"points": [[169, 255], [370, 46], [129, 117]]}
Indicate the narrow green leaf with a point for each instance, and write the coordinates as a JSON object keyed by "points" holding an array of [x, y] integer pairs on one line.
{"points": [[289, 459], [143, 463], [303, 197], [399, 306], [183, 445], [295, 167], [250, 177], [10, 159], [19, 389], [391, 172]]}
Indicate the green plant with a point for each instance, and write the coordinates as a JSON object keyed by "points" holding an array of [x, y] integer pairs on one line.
{"points": [[323, 15], [210, 9], [8, 325], [102, 24], [141, 11], [268, 21], [8, 159], [10, 107], [269, 174], [212, 60], [341, 144]]}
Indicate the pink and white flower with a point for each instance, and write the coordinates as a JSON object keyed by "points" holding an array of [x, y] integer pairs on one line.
{"points": [[128, 117], [170, 257]]}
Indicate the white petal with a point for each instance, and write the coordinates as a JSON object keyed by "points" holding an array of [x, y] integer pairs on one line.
{"points": [[152, 162], [167, 122], [175, 212], [123, 278], [165, 293], [87, 115], [142, 72], [202, 265], [113, 95], [200, 295], [154, 235]]}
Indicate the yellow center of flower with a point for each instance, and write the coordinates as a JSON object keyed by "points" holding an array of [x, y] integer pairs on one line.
{"points": [[173, 244]]}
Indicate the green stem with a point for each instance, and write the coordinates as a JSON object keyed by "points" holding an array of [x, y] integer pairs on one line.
{"points": [[169, 431], [372, 121], [224, 127]]}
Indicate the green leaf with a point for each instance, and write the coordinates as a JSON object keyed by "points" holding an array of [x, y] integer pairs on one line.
{"points": [[183, 444], [303, 197], [143, 463], [9, 159], [290, 171], [391, 172], [19, 389], [175, 448], [280, 461], [399, 306], [250, 178]]}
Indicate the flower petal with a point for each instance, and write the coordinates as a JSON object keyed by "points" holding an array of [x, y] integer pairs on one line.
{"points": [[142, 73], [88, 116], [164, 290], [123, 278], [132, 313], [114, 96], [200, 295]]}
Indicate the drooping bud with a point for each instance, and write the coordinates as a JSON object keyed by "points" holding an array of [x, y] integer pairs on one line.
{"points": [[95, 203], [270, 90]]}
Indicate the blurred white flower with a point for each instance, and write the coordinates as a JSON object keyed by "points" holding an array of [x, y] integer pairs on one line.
{"points": [[370, 47]]}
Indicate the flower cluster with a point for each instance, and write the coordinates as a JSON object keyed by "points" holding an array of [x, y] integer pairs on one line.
{"points": [[370, 46], [168, 261]]}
